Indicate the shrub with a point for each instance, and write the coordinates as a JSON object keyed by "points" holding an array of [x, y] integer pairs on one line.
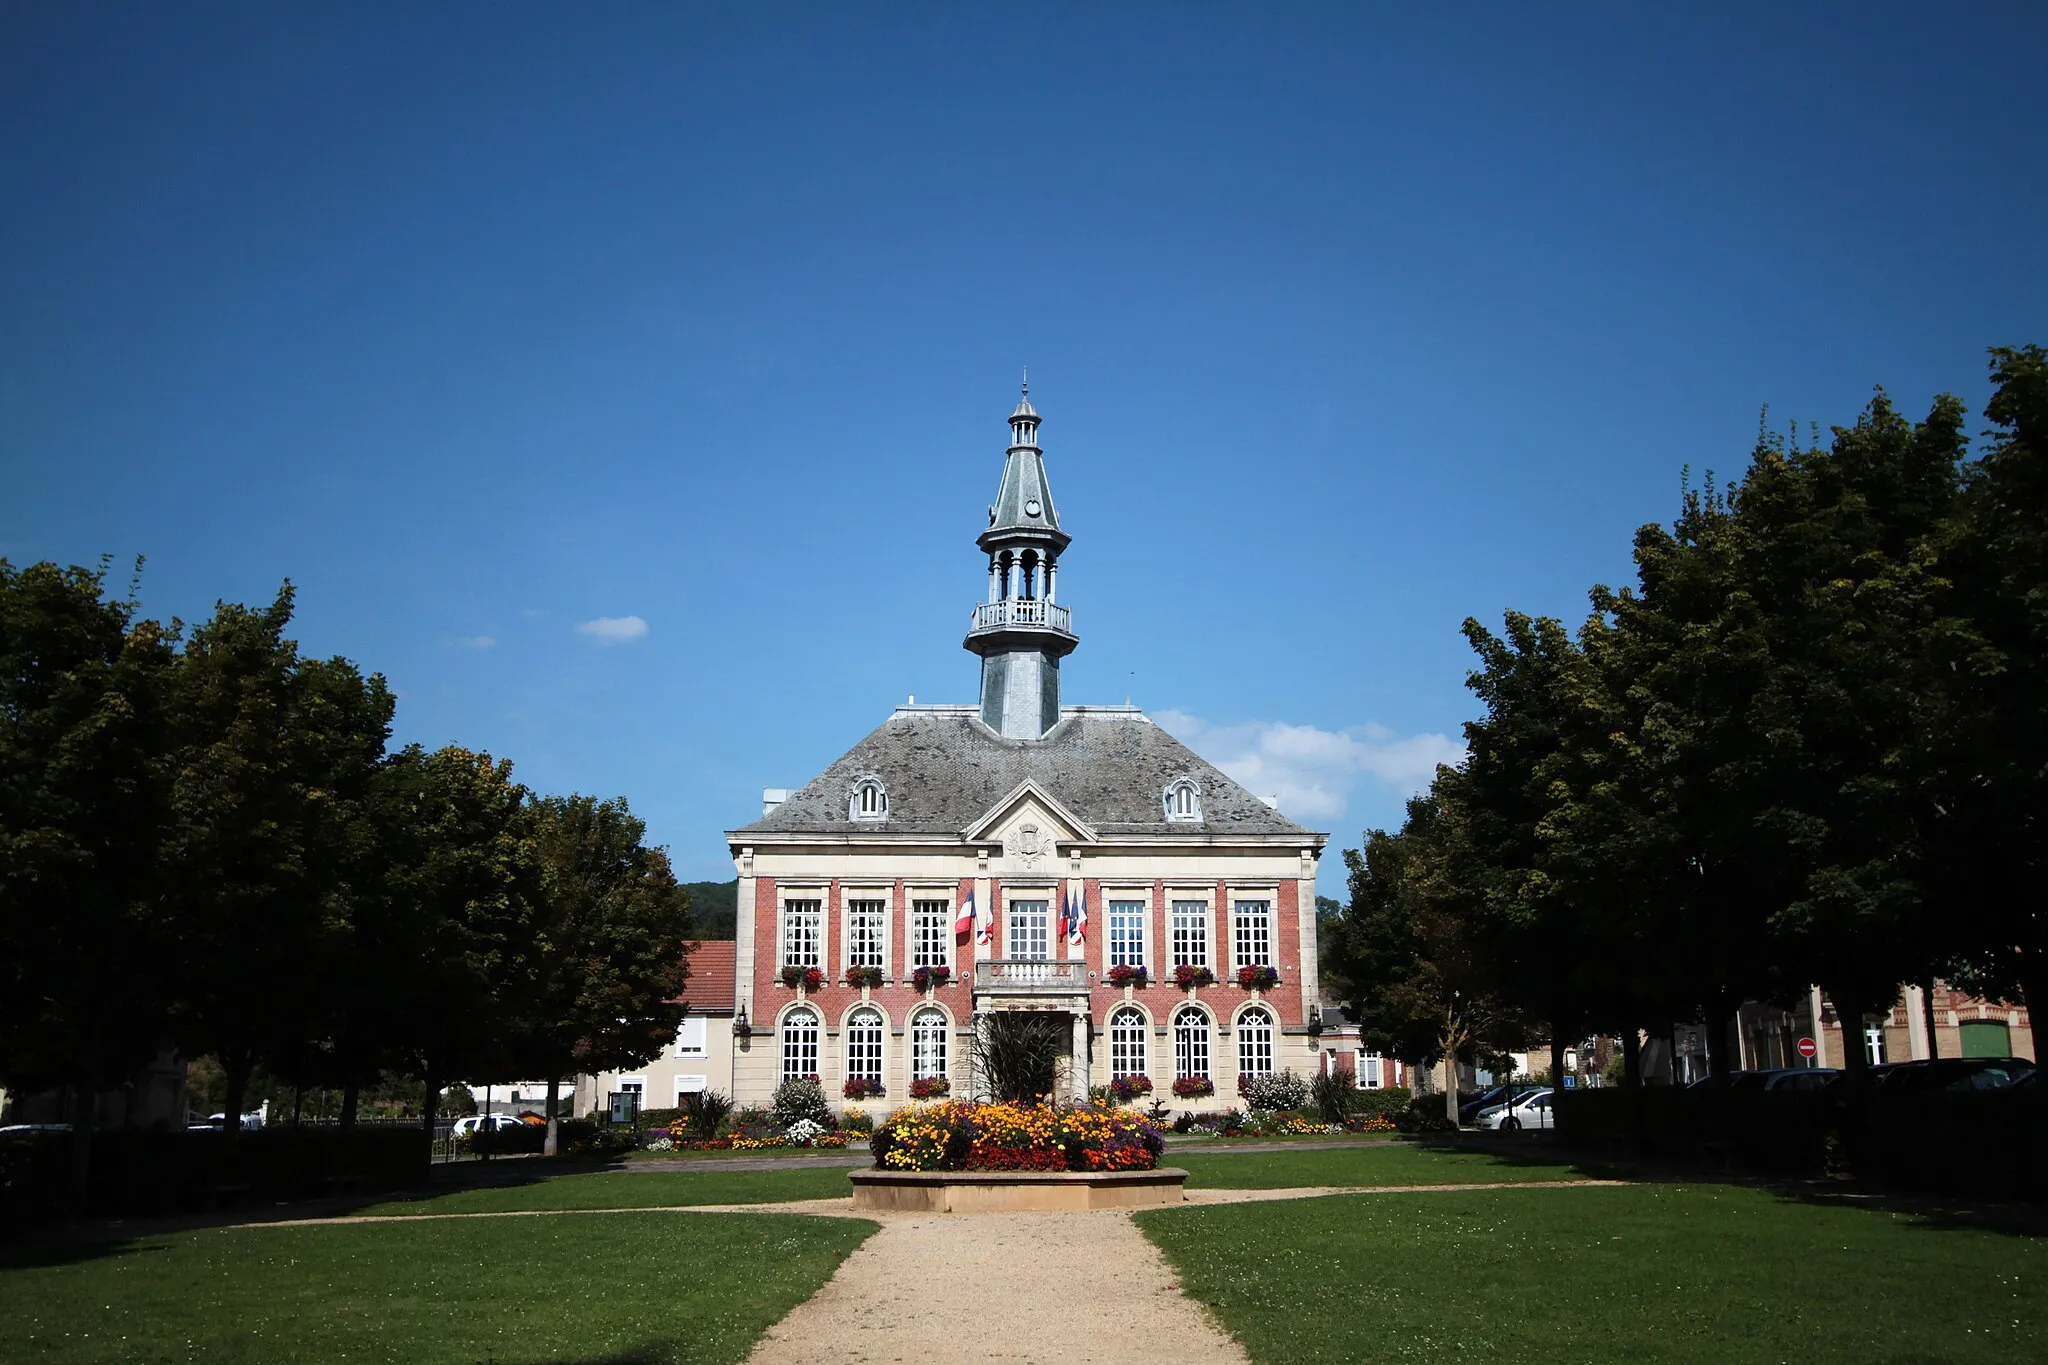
{"points": [[1257, 978], [1389, 1100], [804, 1132], [857, 1121], [1331, 1093], [1424, 1116], [1193, 1087], [800, 1098], [1281, 1090], [1018, 1055], [755, 1122], [1184, 1121], [703, 1112]]}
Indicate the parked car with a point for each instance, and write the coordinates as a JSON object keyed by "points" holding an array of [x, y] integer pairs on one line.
{"points": [[1799, 1078], [251, 1121], [1531, 1111], [1952, 1073], [495, 1122], [1471, 1105]]}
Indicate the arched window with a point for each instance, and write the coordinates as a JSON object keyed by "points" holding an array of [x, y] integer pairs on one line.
{"points": [[1127, 1043], [800, 1043], [870, 800], [1183, 801], [927, 1044], [864, 1045], [1255, 1043], [1190, 1043]]}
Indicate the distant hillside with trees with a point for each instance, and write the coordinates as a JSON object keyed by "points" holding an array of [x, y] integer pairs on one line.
{"points": [[714, 908]]}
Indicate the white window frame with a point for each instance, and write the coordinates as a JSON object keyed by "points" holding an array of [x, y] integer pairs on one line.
{"points": [[868, 802], [944, 934], [1181, 802], [1203, 907], [790, 1033], [929, 1028], [1368, 1064], [810, 904], [690, 1085], [878, 901], [1193, 1044], [702, 1028], [1129, 1042], [1114, 953], [1042, 901], [1255, 1041], [1242, 953], [865, 1031]]}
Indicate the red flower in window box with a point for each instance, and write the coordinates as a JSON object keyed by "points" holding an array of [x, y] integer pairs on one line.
{"points": [[810, 978], [1188, 977], [1193, 1087], [1257, 978], [930, 1088], [863, 976], [862, 1088], [1126, 974], [924, 978], [1124, 1089]]}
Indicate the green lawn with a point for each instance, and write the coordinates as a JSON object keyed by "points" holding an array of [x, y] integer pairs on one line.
{"points": [[635, 1190], [1643, 1273], [1389, 1164], [623, 1289]]}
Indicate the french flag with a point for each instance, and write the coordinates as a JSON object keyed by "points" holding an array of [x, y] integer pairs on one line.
{"points": [[964, 921], [1076, 915]]}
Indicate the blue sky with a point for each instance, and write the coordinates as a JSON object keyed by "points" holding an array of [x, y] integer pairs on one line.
{"points": [[483, 324]]}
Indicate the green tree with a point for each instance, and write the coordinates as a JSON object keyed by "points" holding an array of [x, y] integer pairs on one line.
{"points": [[83, 784], [610, 956]]}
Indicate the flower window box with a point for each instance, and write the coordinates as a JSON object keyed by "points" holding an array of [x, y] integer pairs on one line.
{"points": [[1257, 978], [863, 976], [1188, 977], [809, 978], [1193, 1087], [1127, 974]]}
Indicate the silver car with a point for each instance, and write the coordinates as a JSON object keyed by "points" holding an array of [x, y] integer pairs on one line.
{"points": [[1529, 1111]]}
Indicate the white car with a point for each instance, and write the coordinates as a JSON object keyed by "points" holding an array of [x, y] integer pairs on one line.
{"points": [[497, 1122], [1530, 1111]]}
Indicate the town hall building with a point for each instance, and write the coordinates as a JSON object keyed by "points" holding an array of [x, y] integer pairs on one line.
{"points": [[1022, 854]]}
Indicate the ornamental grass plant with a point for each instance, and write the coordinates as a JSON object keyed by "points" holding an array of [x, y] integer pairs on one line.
{"points": [[959, 1135]]}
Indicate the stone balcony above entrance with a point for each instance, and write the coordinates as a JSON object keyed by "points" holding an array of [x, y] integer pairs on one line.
{"points": [[1015, 976], [1028, 612]]}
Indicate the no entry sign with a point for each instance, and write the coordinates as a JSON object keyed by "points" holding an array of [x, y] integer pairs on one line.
{"points": [[1807, 1047]]}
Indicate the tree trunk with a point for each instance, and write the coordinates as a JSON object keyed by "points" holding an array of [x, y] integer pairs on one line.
{"points": [[351, 1096], [236, 1066], [1720, 1023], [1556, 1058], [1631, 1059], [1855, 1064], [430, 1108], [554, 1132], [1927, 1017], [84, 1105], [1451, 1087]]}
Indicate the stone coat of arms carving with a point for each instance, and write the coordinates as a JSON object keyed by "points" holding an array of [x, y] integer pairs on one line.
{"points": [[1027, 846]]}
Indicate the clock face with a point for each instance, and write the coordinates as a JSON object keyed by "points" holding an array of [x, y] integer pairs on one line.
{"points": [[1031, 507]]}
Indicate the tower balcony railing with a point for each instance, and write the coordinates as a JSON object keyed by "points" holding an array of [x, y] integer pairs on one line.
{"points": [[1018, 611], [1030, 976]]}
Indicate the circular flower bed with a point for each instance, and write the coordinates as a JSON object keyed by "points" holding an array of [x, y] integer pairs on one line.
{"points": [[959, 1135]]}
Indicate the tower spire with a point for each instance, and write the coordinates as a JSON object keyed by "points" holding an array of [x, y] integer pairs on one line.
{"points": [[1021, 632]]}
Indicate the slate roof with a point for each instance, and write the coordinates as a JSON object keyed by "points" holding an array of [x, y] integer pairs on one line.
{"points": [[943, 770], [1024, 482]]}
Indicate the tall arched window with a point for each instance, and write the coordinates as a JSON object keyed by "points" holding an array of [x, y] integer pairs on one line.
{"points": [[870, 800], [800, 1043], [1127, 1043], [927, 1044], [864, 1045], [1255, 1043], [1190, 1043]]}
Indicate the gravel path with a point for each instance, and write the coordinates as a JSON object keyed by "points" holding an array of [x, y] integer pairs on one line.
{"points": [[1018, 1288]]}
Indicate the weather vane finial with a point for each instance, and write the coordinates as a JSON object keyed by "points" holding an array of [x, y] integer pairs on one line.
{"points": [[1027, 379]]}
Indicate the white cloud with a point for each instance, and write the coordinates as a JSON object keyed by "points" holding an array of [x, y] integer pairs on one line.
{"points": [[471, 642], [613, 630], [1313, 771]]}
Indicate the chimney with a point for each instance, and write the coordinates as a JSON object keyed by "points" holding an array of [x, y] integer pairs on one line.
{"points": [[771, 797]]}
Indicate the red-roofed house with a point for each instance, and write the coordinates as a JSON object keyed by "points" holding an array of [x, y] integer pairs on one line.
{"points": [[701, 1056]]}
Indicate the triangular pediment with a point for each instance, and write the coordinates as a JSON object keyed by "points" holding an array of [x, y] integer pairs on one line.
{"points": [[1029, 804]]}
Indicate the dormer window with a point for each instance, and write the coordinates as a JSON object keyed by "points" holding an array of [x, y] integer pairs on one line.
{"points": [[1183, 802], [870, 801]]}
